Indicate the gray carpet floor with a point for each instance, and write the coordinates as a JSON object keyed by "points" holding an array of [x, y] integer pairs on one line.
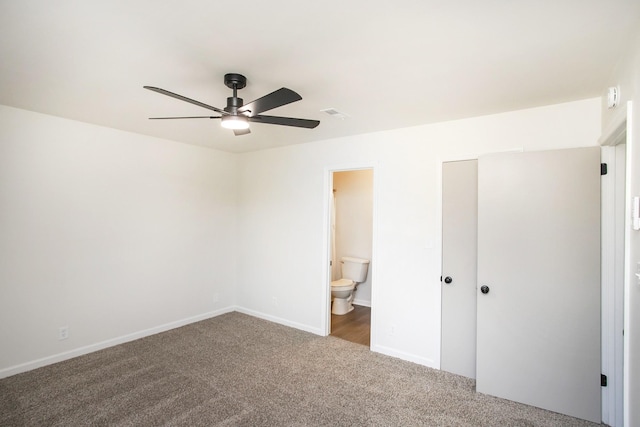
{"points": [[236, 370]]}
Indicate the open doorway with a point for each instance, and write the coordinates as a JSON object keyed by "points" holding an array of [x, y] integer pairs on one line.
{"points": [[351, 240]]}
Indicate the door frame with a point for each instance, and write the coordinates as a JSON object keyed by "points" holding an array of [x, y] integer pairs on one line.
{"points": [[615, 349], [325, 306]]}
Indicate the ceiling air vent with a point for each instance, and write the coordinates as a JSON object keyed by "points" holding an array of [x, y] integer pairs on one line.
{"points": [[334, 113]]}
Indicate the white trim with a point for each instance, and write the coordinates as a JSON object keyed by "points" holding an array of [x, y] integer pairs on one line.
{"points": [[608, 277], [325, 303], [628, 277], [49, 360], [280, 320], [616, 130], [373, 266], [613, 344], [405, 356], [619, 282], [326, 221]]}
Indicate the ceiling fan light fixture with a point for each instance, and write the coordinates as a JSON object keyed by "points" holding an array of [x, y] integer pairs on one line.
{"points": [[234, 122]]}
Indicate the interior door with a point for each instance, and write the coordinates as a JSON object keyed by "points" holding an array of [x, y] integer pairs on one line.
{"points": [[539, 278], [459, 254]]}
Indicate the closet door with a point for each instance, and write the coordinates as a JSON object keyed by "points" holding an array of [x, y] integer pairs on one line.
{"points": [[459, 254], [538, 336]]}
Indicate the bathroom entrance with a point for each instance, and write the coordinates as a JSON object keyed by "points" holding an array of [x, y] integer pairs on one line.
{"points": [[351, 242]]}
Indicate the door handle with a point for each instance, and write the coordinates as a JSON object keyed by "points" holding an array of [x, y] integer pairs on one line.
{"points": [[448, 280], [484, 289]]}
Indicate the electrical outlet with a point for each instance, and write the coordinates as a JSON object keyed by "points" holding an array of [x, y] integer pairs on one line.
{"points": [[275, 301], [63, 333], [216, 298]]}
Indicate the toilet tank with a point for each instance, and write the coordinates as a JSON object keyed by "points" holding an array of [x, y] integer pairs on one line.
{"points": [[355, 269]]}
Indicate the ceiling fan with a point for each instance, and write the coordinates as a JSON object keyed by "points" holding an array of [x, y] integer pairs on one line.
{"points": [[236, 115]]}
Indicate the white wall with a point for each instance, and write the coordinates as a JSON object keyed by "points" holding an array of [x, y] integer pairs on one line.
{"points": [[354, 222], [117, 235], [627, 76], [113, 234], [283, 221]]}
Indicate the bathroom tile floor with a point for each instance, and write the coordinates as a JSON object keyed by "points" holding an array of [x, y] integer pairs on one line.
{"points": [[354, 326]]}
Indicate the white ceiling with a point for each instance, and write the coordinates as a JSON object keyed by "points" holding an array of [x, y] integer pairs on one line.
{"points": [[385, 64]]}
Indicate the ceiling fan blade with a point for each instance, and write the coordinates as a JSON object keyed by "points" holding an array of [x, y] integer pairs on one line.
{"points": [[190, 117], [185, 99], [273, 100], [238, 132], [285, 121]]}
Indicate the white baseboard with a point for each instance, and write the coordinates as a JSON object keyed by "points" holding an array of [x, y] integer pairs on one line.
{"points": [[362, 302], [49, 360], [260, 315], [405, 356]]}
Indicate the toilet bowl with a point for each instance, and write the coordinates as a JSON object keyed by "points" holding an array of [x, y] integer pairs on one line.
{"points": [[354, 271], [342, 293]]}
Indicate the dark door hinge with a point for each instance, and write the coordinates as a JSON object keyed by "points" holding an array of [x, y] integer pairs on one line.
{"points": [[603, 168], [603, 380]]}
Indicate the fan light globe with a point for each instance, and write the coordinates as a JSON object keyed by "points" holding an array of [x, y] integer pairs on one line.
{"points": [[235, 122]]}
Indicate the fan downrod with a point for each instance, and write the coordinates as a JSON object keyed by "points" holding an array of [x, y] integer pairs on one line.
{"points": [[235, 81]]}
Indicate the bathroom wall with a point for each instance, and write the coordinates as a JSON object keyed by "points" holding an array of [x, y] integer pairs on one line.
{"points": [[112, 234], [283, 220], [354, 222]]}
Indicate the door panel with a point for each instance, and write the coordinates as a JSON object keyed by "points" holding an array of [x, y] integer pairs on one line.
{"points": [[459, 254], [539, 254]]}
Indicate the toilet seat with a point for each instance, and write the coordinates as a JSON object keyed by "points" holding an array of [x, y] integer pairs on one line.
{"points": [[342, 283]]}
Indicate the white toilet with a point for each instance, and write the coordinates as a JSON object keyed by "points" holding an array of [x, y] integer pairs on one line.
{"points": [[354, 271]]}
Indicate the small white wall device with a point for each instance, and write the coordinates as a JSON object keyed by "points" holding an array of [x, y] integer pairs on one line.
{"points": [[613, 97]]}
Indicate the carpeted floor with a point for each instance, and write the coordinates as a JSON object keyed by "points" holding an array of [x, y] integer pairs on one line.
{"points": [[236, 370]]}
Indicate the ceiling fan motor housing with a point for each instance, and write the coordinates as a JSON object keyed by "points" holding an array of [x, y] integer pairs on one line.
{"points": [[233, 103]]}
